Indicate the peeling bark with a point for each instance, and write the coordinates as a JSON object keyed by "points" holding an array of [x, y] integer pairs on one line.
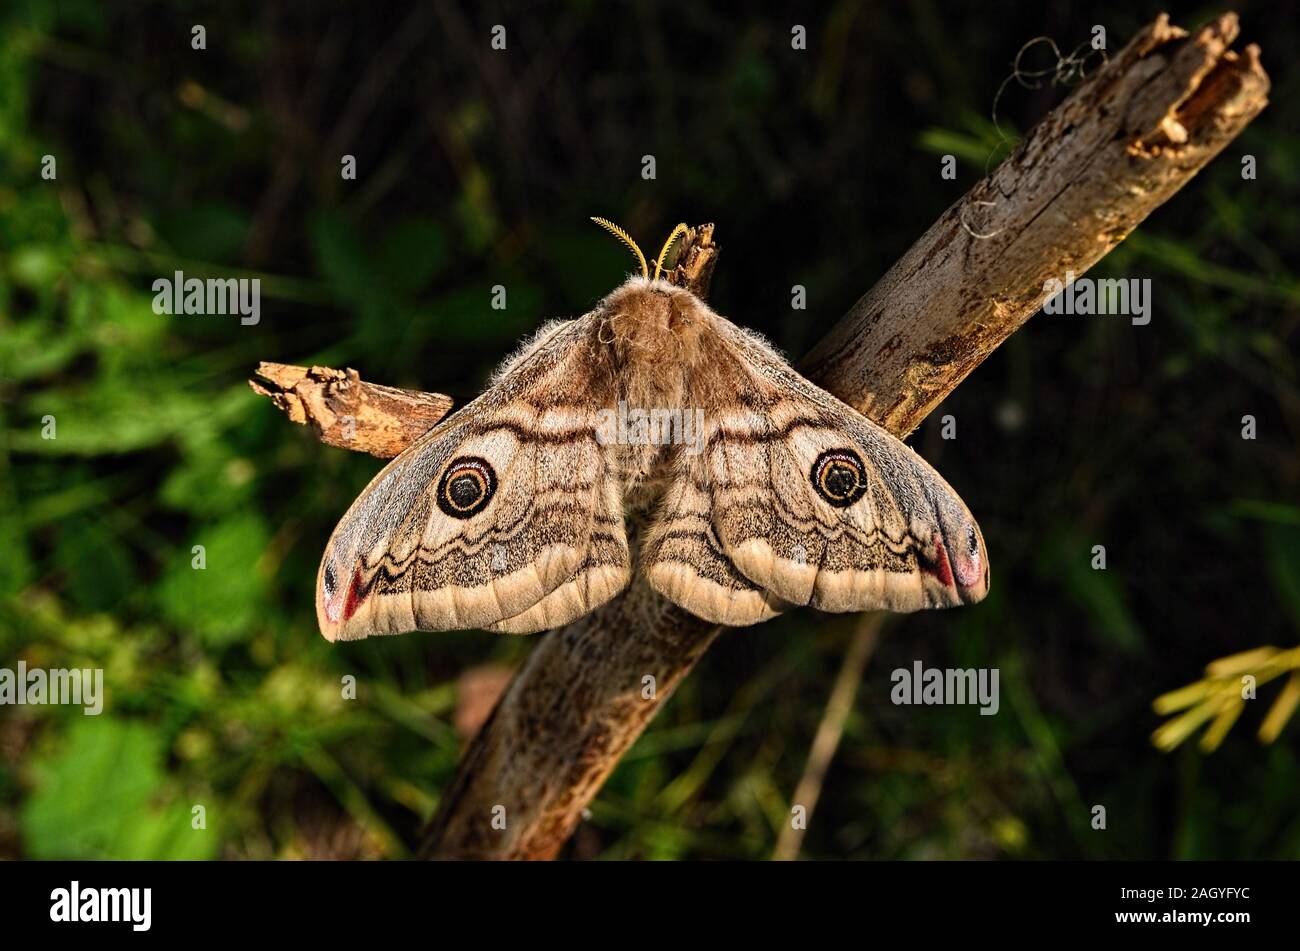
{"points": [[350, 414]]}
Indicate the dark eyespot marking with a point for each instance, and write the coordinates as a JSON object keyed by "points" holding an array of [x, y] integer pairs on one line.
{"points": [[466, 487], [972, 543], [331, 582], [839, 477]]}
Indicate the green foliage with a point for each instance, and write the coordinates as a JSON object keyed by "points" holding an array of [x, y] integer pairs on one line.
{"points": [[103, 795], [820, 168], [219, 602]]}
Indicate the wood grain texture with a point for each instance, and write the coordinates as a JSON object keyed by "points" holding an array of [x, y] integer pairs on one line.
{"points": [[348, 413], [1124, 142], [575, 707], [1131, 135]]}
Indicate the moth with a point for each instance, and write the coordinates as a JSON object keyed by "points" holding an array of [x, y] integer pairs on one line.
{"points": [[512, 514]]}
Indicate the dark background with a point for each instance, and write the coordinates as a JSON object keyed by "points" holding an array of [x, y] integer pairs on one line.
{"points": [[479, 167]]}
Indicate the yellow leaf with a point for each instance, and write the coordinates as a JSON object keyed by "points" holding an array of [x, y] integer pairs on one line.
{"points": [[1281, 710]]}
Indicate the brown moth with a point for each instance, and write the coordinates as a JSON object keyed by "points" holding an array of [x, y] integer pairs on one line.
{"points": [[759, 491]]}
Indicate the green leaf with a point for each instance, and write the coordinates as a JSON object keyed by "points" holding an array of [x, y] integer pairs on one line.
{"points": [[31, 349], [16, 565], [97, 797], [97, 568], [211, 480], [1281, 513], [109, 417], [221, 602], [37, 266]]}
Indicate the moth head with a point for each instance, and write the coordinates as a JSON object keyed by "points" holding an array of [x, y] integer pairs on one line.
{"points": [[652, 323]]}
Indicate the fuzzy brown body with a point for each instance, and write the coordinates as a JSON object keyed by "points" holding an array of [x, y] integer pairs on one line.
{"points": [[654, 343], [512, 514]]}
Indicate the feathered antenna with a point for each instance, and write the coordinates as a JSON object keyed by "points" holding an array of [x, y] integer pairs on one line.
{"points": [[623, 236], [680, 230]]}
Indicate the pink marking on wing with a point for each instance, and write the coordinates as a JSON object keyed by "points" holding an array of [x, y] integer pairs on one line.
{"points": [[332, 604], [970, 569], [940, 567], [355, 596]]}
